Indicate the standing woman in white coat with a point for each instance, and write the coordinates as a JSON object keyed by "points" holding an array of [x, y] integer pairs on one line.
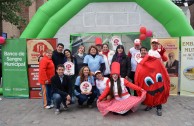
{"points": [[107, 56]]}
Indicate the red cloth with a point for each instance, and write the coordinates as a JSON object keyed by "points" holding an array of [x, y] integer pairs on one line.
{"points": [[119, 106], [152, 71], [46, 70], [106, 53]]}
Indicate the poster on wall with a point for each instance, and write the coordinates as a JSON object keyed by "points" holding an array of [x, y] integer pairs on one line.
{"points": [[171, 46], [187, 66], [15, 79], [35, 48]]}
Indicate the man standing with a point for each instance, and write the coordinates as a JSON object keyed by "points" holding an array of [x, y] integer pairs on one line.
{"points": [[61, 89], [157, 50], [134, 52], [58, 56]]}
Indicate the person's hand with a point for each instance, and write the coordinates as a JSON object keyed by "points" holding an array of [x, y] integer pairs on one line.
{"points": [[126, 77], [68, 98], [68, 102], [83, 93], [162, 51], [89, 93], [46, 82], [92, 73], [108, 97]]}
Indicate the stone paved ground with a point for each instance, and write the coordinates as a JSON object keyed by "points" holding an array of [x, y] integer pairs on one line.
{"points": [[179, 111]]}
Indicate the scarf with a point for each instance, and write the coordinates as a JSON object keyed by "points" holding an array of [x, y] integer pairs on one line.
{"points": [[119, 57], [105, 53]]}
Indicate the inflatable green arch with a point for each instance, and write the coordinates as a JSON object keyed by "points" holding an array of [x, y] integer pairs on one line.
{"points": [[55, 13]]}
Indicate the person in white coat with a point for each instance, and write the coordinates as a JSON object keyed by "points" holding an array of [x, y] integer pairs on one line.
{"points": [[107, 56]]}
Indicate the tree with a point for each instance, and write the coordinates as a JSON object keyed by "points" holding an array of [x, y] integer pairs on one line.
{"points": [[10, 11]]}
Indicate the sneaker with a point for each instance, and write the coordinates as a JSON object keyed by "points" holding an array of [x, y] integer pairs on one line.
{"points": [[159, 112], [147, 108], [48, 107], [57, 111], [51, 105]]}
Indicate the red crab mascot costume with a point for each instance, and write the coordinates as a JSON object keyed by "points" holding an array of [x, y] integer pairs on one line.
{"points": [[152, 76]]}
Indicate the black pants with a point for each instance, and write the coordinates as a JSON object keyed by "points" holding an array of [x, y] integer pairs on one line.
{"points": [[159, 107]]}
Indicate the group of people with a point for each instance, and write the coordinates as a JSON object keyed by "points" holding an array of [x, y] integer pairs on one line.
{"points": [[104, 71]]}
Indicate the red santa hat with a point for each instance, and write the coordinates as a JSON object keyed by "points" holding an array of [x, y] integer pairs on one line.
{"points": [[98, 41], [115, 68], [137, 42]]}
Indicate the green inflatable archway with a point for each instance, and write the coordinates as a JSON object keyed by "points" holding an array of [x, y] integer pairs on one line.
{"points": [[55, 13]]}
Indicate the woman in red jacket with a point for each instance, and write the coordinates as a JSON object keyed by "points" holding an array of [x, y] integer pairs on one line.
{"points": [[46, 72], [118, 99]]}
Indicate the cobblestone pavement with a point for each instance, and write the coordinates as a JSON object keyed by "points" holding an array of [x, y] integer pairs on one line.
{"points": [[179, 111]]}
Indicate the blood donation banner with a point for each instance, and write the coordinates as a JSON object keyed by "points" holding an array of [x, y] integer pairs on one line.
{"points": [[36, 48], [15, 79], [187, 66], [172, 65]]}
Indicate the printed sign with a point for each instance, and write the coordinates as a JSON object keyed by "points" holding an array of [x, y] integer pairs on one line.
{"points": [[86, 87], [15, 79], [69, 68], [187, 66]]}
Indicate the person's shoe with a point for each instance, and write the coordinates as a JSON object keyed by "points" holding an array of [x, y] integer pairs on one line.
{"points": [[57, 111], [51, 105], [48, 107], [147, 108], [159, 112]]}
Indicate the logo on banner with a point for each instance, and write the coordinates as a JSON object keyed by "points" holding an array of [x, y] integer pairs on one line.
{"points": [[35, 48], [69, 68], [85, 87], [40, 48], [115, 40]]}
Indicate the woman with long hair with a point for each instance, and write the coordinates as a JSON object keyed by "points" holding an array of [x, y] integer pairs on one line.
{"points": [[125, 62], [72, 62], [85, 75], [118, 99]]}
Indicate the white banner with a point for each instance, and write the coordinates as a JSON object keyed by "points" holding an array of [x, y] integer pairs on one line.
{"points": [[187, 66]]}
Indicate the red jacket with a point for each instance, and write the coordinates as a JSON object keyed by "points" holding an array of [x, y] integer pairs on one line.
{"points": [[46, 70]]}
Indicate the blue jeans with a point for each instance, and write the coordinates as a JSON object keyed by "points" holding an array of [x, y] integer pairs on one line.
{"points": [[58, 99], [89, 98], [48, 94]]}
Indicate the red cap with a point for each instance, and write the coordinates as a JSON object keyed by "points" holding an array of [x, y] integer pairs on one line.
{"points": [[98, 41], [115, 68]]}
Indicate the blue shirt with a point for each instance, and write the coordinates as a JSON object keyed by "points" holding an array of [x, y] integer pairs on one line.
{"points": [[77, 83], [93, 62]]}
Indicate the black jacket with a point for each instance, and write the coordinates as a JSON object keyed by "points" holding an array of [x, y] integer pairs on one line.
{"points": [[61, 88], [125, 65], [57, 58]]}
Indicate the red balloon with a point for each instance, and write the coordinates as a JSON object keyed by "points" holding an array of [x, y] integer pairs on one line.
{"points": [[142, 37], [2, 40], [149, 33], [143, 30]]}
